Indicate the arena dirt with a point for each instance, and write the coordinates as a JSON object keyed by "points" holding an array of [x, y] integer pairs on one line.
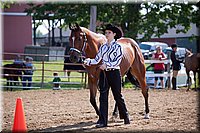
{"points": [[70, 110]]}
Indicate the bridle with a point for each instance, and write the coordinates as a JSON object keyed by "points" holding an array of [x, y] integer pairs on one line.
{"points": [[82, 52]]}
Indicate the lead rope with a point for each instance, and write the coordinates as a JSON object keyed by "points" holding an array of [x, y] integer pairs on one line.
{"points": [[104, 83]]}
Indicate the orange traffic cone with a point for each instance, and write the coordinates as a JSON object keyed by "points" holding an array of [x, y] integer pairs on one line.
{"points": [[19, 120]]}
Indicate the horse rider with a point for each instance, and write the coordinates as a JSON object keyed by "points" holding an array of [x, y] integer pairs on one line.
{"points": [[110, 53]]}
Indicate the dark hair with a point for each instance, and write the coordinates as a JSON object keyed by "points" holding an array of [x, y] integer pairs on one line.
{"points": [[173, 45], [114, 29]]}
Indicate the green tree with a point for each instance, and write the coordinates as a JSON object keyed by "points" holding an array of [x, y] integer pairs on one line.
{"points": [[155, 19], [6, 4]]}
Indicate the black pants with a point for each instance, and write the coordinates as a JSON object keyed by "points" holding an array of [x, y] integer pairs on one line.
{"points": [[111, 79]]}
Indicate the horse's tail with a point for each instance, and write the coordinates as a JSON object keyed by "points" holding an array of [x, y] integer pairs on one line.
{"points": [[139, 69], [132, 79]]}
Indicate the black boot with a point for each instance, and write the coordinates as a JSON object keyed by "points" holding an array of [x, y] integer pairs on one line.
{"points": [[173, 83]]}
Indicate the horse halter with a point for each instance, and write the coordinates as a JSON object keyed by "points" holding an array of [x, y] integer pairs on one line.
{"points": [[84, 45]]}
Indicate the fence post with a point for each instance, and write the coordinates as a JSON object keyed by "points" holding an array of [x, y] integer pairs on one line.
{"points": [[168, 71], [42, 83]]}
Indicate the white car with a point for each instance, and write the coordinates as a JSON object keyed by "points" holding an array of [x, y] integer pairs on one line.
{"points": [[148, 48], [181, 78]]}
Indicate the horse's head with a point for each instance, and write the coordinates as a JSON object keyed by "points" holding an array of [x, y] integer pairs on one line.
{"points": [[77, 42]]}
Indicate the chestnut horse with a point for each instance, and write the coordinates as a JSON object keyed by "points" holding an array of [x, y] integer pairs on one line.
{"points": [[191, 63], [85, 43]]}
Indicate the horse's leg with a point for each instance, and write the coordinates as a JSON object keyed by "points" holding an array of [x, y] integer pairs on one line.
{"points": [[68, 74], [16, 81], [115, 113], [11, 84], [82, 77], [134, 81], [123, 82], [7, 83], [93, 92], [194, 72], [146, 95], [139, 72], [188, 80]]}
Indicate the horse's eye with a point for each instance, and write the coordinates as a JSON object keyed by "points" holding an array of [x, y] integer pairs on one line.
{"points": [[79, 38]]}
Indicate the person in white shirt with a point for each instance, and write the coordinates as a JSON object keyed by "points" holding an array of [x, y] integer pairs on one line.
{"points": [[110, 54]]}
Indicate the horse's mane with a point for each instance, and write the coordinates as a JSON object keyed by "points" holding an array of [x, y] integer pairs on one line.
{"points": [[100, 38], [91, 32]]}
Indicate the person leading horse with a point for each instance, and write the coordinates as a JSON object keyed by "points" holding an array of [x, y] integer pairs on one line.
{"points": [[84, 42], [111, 55]]}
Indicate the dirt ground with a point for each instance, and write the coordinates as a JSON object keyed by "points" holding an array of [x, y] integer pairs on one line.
{"points": [[71, 111]]}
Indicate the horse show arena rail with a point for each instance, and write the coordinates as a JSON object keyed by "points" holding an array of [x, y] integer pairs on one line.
{"points": [[42, 74]]}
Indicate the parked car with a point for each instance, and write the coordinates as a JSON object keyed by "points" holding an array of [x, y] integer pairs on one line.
{"points": [[180, 51], [148, 48], [181, 78]]}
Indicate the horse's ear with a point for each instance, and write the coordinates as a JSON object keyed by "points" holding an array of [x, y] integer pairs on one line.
{"points": [[77, 26]]}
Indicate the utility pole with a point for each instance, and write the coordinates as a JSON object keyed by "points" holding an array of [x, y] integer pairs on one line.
{"points": [[93, 18], [34, 31]]}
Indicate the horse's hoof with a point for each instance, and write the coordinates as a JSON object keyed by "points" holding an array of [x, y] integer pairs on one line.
{"points": [[146, 116], [113, 118]]}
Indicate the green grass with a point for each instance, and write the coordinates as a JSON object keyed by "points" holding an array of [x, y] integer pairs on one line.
{"points": [[57, 66], [49, 68]]}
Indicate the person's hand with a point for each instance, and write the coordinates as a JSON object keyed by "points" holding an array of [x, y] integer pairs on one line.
{"points": [[103, 66], [86, 62], [160, 57]]}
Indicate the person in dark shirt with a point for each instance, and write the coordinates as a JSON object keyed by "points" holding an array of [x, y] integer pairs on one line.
{"points": [[176, 66], [56, 80]]}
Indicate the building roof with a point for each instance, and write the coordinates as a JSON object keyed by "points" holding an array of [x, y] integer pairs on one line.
{"points": [[172, 32]]}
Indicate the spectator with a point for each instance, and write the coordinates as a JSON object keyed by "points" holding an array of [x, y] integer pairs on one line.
{"points": [[56, 80], [159, 68], [28, 72], [19, 63], [18, 60], [176, 66]]}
